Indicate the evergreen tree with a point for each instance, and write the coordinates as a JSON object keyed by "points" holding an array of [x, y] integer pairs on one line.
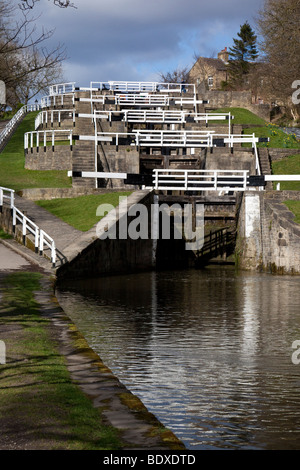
{"points": [[241, 54]]}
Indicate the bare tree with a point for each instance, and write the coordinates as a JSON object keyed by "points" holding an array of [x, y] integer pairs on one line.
{"points": [[278, 24], [29, 4], [178, 75], [26, 65]]}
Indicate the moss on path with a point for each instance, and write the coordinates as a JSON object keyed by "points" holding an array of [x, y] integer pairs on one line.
{"points": [[55, 392]]}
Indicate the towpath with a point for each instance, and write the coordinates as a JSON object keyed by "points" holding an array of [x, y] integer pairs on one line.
{"points": [[138, 428]]}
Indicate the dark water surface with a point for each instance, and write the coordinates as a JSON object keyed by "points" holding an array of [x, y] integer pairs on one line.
{"points": [[209, 352]]}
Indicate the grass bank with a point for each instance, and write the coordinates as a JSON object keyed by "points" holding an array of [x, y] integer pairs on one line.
{"points": [[39, 405], [80, 212], [261, 128], [12, 163]]}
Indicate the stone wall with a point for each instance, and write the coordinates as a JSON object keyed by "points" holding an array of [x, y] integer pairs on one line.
{"points": [[95, 253], [227, 99], [268, 238], [235, 99], [48, 159], [280, 153]]}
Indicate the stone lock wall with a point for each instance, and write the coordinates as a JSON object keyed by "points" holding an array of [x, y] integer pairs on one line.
{"points": [[268, 238]]}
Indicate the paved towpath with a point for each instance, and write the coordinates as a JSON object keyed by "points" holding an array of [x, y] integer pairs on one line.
{"points": [[62, 233], [139, 428]]}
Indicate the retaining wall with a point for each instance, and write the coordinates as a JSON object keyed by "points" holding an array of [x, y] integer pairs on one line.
{"points": [[268, 238]]}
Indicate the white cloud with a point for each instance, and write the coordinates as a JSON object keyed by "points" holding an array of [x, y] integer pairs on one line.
{"points": [[122, 39]]}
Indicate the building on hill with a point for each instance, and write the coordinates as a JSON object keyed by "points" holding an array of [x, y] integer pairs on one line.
{"points": [[209, 73]]}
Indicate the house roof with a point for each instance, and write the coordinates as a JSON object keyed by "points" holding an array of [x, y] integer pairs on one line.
{"points": [[218, 64]]}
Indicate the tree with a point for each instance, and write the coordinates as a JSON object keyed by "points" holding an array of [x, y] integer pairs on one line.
{"points": [[279, 26], [178, 75], [241, 55], [29, 4], [26, 65]]}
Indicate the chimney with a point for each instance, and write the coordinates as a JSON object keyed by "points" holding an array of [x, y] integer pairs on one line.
{"points": [[224, 55]]}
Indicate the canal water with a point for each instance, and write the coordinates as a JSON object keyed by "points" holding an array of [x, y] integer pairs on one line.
{"points": [[209, 352]]}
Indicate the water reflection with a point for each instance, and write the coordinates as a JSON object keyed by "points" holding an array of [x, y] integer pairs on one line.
{"points": [[208, 352]]}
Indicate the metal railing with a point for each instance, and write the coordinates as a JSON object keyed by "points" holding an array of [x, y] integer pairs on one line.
{"points": [[173, 138], [37, 139], [7, 193], [41, 239], [142, 100], [57, 100], [62, 88], [138, 87], [200, 180], [56, 116], [243, 139], [10, 126]]}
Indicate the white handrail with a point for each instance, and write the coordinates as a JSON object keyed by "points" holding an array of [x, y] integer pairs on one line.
{"points": [[200, 180], [32, 139], [41, 238], [15, 119], [132, 86], [61, 88], [42, 117], [10, 196], [57, 99]]}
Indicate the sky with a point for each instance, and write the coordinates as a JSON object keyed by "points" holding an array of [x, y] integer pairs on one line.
{"points": [[139, 39]]}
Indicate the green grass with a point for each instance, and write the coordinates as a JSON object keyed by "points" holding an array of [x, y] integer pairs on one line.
{"points": [[261, 128], [288, 166], [80, 212], [37, 396], [12, 161], [294, 206], [4, 235], [242, 116]]}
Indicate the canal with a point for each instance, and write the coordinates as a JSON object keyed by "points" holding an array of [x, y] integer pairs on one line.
{"points": [[209, 352]]}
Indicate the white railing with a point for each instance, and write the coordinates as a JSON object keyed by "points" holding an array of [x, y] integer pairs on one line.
{"points": [[7, 193], [37, 139], [57, 100], [142, 100], [62, 88], [6, 132], [173, 138], [158, 116], [138, 87], [155, 116], [41, 239], [200, 180], [56, 115], [243, 139]]}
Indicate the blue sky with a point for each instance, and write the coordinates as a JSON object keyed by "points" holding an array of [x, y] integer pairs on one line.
{"points": [[138, 39]]}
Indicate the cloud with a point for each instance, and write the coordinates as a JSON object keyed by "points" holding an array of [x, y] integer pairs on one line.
{"points": [[124, 39]]}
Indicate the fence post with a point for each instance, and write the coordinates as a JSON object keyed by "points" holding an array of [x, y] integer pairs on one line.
{"points": [[53, 254], [24, 227], [41, 242]]}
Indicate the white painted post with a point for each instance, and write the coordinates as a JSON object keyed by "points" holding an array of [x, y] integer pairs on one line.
{"points": [[36, 239], [41, 242], [53, 254]]}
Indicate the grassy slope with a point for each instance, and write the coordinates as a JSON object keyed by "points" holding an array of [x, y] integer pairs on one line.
{"points": [[12, 160], [80, 212]]}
